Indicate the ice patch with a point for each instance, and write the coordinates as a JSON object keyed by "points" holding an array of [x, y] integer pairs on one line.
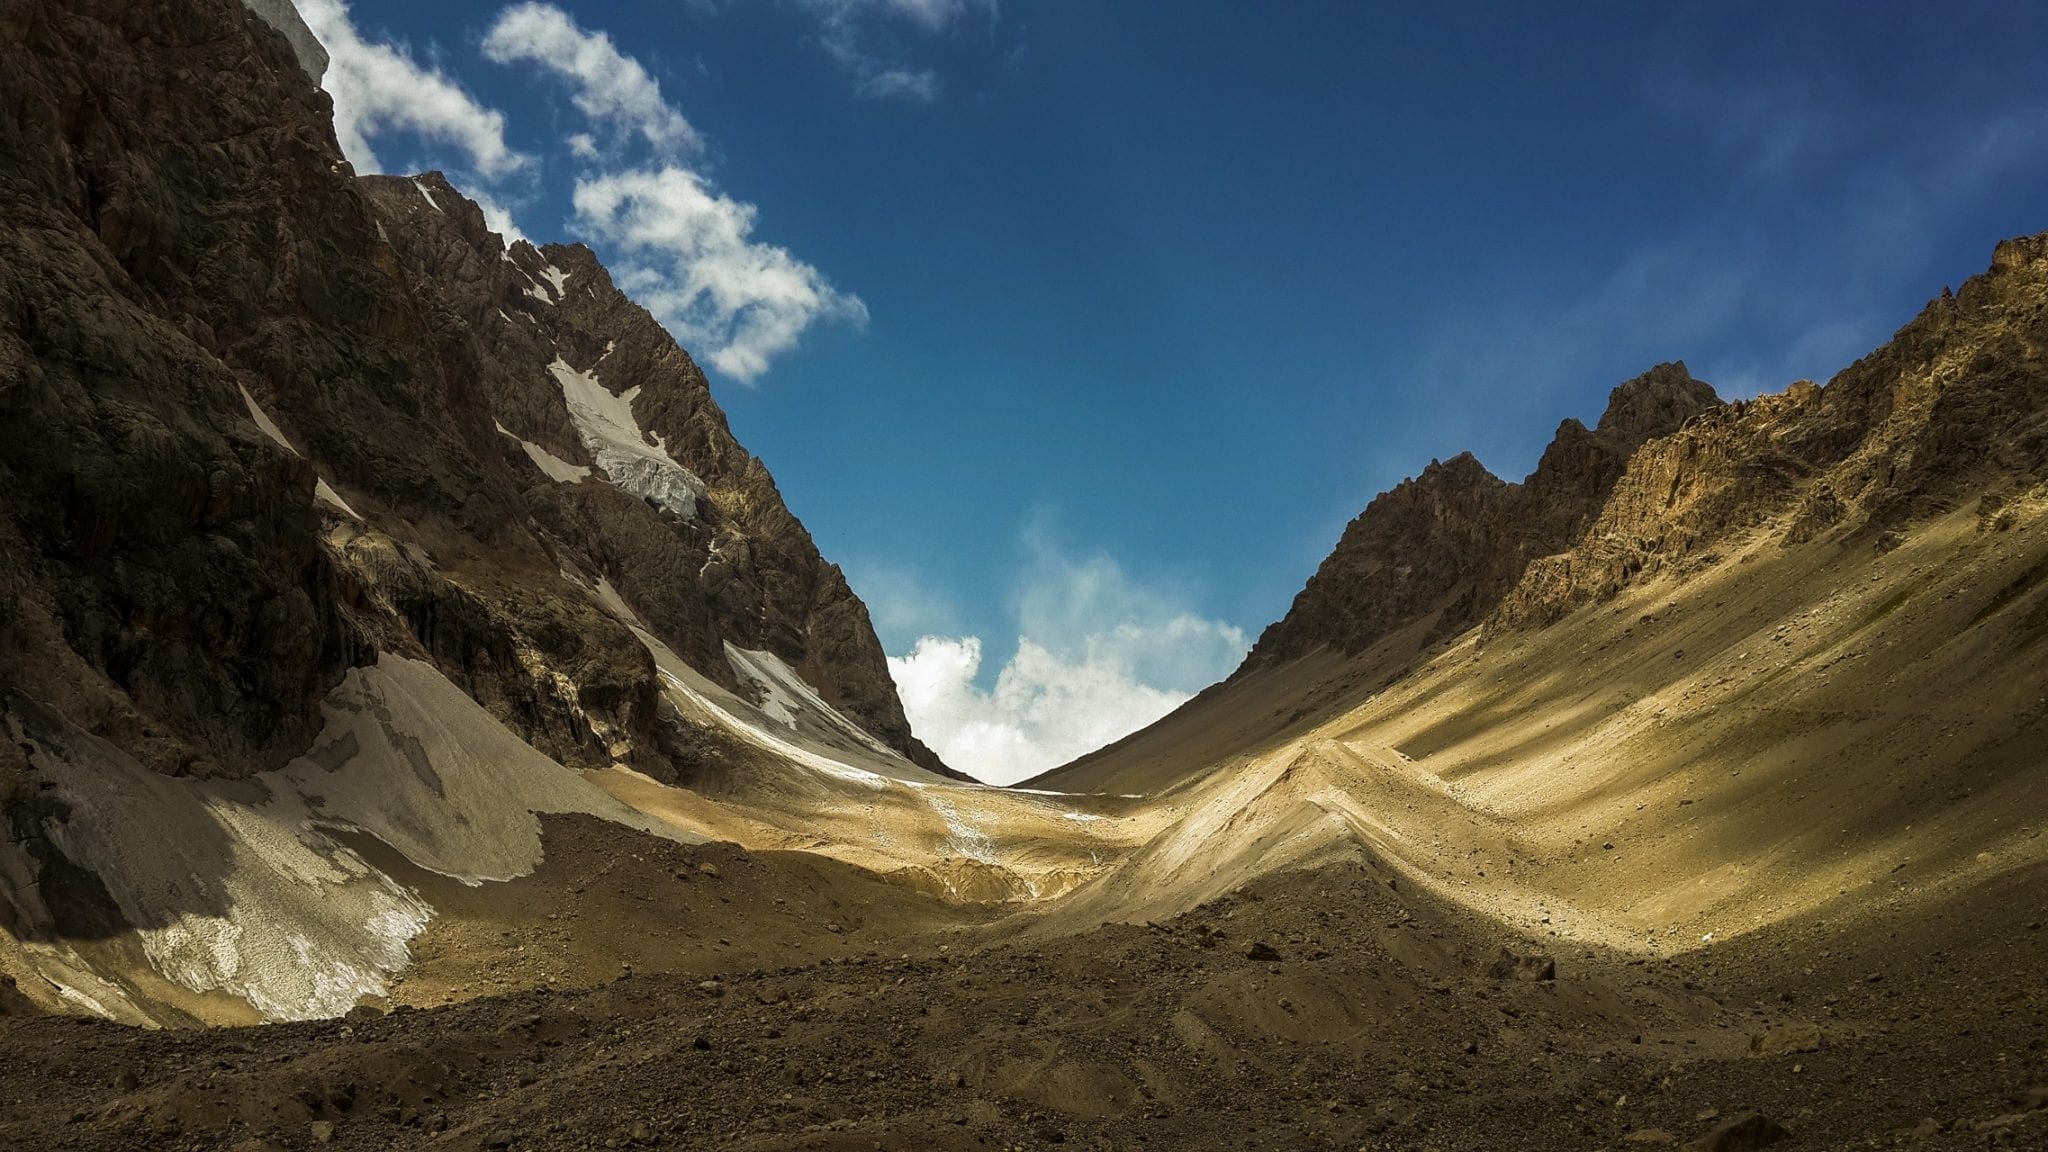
{"points": [[753, 734], [323, 492], [556, 468], [614, 439], [238, 887], [789, 699], [264, 423]]}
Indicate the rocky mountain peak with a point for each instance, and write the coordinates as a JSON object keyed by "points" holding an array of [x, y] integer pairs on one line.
{"points": [[284, 16], [271, 420], [1441, 550], [1654, 404]]}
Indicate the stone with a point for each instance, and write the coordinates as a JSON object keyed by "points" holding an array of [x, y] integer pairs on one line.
{"points": [[1512, 965], [322, 1132], [1785, 1040], [1262, 952], [1743, 1133]]}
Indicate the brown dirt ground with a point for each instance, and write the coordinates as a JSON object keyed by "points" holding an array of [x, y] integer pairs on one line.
{"points": [[1379, 1025]]}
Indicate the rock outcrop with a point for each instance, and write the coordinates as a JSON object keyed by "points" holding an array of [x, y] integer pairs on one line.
{"points": [[1954, 408], [1449, 544], [262, 419]]}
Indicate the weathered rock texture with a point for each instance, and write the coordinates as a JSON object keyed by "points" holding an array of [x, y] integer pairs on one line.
{"points": [[1953, 408], [1451, 543], [179, 230]]}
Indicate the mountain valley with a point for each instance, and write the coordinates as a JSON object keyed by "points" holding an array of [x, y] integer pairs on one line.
{"points": [[427, 726]]}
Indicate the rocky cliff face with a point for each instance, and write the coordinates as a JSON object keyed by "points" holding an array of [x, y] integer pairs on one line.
{"points": [[262, 419], [1953, 409], [625, 462], [1448, 545]]}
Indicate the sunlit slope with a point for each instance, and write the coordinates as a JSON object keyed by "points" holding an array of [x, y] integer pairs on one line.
{"points": [[1787, 728], [1797, 656]]}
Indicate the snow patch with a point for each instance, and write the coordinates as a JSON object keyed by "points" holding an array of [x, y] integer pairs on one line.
{"points": [[753, 734], [556, 277], [326, 494], [322, 491], [556, 468], [615, 440], [264, 423], [67, 992], [239, 887], [967, 839], [429, 196], [789, 699]]}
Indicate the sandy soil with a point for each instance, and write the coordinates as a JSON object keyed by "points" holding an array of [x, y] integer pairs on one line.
{"points": [[1324, 1008]]}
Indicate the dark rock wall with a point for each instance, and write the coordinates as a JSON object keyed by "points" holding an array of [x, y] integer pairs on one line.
{"points": [[177, 225]]}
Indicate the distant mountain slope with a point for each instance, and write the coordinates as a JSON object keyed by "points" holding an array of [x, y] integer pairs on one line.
{"points": [[1951, 414], [1793, 665], [1452, 541]]}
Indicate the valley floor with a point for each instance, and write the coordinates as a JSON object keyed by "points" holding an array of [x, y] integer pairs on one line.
{"points": [[794, 1003]]}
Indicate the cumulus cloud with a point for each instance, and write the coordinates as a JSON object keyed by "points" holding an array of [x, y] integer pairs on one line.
{"points": [[1100, 656], [1043, 711], [687, 253], [497, 216], [378, 88], [611, 88], [683, 249]]}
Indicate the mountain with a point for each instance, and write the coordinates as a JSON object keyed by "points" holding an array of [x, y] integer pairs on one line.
{"points": [[398, 652], [1783, 645], [358, 404], [1450, 543], [284, 448]]}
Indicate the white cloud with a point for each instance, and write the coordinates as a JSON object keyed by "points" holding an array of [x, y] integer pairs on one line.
{"points": [[1043, 712], [930, 15], [497, 217], [1100, 657], [900, 83], [687, 254], [681, 248], [610, 87], [859, 36], [379, 88]]}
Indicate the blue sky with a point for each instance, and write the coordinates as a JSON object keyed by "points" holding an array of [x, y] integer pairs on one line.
{"points": [[1079, 330]]}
